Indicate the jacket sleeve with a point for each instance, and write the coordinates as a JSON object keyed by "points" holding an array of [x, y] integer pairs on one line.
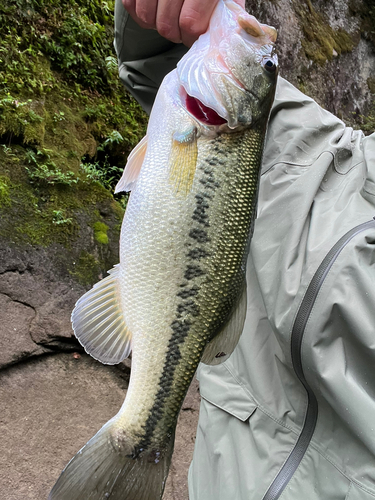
{"points": [[144, 57]]}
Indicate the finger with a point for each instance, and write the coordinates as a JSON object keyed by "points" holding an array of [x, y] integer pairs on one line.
{"points": [[129, 6], [147, 12], [241, 3], [194, 19], [167, 19]]}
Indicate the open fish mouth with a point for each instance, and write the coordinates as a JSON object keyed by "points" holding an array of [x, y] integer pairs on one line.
{"points": [[226, 74], [203, 113]]}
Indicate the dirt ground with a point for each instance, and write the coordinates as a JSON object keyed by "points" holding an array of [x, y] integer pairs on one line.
{"points": [[52, 405]]}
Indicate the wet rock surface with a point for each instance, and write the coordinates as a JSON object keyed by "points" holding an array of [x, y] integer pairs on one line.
{"points": [[326, 49], [54, 405]]}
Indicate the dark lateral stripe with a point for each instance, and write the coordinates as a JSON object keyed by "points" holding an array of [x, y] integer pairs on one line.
{"points": [[198, 253], [193, 271], [187, 309], [200, 235], [188, 292]]}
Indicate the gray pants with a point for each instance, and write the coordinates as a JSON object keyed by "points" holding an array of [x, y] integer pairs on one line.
{"points": [[144, 57]]}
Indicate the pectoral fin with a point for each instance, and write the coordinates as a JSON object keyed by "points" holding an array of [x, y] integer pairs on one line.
{"points": [[99, 324], [221, 347], [132, 167], [183, 160]]}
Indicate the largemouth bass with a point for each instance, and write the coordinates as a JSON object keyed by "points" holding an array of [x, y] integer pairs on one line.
{"points": [[178, 295]]}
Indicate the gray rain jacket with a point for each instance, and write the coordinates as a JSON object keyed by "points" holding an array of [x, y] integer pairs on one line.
{"points": [[291, 414]]}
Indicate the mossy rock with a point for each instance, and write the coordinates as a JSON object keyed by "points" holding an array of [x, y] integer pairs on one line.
{"points": [[100, 233], [321, 42], [81, 216], [66, 128], [60, 96]]}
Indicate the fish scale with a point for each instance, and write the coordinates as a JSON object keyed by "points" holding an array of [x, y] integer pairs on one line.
{"points": [[207, 305]]}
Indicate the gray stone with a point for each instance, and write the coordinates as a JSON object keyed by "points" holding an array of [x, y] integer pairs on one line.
{"points": [[54, 405], [339, 84]]}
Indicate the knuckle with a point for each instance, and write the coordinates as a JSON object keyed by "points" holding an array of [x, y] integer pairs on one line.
{"points": [[168, 31], [128, 5], [191, 26], [145, 16]]}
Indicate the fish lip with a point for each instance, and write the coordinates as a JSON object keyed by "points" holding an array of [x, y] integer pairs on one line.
{"points": [[205, 128], [210, 129]]}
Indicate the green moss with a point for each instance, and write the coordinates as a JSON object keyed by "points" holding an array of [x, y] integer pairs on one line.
{"points": [[59, 217], [320, 42], [63, 106], [371, 85], [365, 9], [368, 122], [100, 233], [75, 36], [59, 90], [302, 86], [86, 270], [34, 218], [43, 213], [4, 191], [101, 238]]}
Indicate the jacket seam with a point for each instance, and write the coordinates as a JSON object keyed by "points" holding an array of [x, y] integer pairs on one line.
{"points": [[357, 483], [298, 164], [350, 487], [348, 171], [368, 192], [261, 407]]}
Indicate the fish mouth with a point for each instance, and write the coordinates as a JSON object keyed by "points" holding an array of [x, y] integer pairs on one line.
{"points": [[203, 113]]}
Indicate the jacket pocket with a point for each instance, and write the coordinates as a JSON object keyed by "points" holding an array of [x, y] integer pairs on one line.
{"points": [[357, 493], [218, 387], [238, 450]]}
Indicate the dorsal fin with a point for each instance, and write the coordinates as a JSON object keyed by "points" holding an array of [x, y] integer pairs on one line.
{"points": [[132, 167], [99, 324]]}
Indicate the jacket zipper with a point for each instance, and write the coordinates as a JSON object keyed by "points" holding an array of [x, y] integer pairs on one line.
{"points": [[291, 464]]}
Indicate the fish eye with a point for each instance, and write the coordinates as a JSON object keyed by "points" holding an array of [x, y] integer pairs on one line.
{"points": [[269, 66]]}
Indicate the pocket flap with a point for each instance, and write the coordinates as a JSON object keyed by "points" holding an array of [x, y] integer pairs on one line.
{"points": [[218, 387]]}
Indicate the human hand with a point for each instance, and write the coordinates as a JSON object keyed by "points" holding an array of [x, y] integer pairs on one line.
{"points": [[177, 20]]}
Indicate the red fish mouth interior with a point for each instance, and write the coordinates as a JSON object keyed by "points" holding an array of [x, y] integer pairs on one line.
{"points": [[202, 113]]}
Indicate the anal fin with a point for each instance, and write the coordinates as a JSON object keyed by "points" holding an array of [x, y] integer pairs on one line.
{"points": [[99, 324], [221, 347]]}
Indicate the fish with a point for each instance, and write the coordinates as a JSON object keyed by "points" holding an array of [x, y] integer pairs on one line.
{"points": [[178, 296]]}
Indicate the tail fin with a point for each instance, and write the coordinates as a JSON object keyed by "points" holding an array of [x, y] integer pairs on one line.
{"points": [[99, 472]]}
